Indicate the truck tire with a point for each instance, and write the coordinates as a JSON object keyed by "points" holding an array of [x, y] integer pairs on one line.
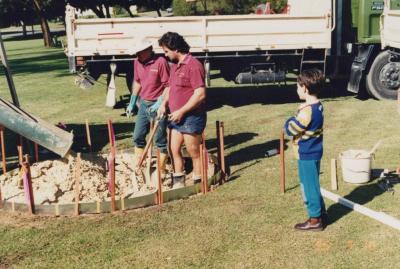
{"points": [[383, 79]]}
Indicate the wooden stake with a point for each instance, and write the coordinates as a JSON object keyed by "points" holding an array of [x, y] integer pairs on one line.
{"points": [[282, 159], [218, 148], [205, 163], [3, 150], [77, 182], [28, 185], [203, 189], [205, 170], [20, 153], [222, 148], [334, 183], [159, 179], [36, 152], [88, 137]]}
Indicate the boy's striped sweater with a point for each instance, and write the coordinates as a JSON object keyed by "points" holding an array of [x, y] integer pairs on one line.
{"points": [[306, 129]]}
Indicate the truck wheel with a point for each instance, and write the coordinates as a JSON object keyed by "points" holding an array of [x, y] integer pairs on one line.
{"points": [[383, 79]]}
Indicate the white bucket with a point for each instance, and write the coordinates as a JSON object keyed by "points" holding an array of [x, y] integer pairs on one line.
{"points": [[356, 166]]}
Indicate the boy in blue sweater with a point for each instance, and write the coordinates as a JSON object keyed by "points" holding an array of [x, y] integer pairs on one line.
{"points": [[306, 131]]}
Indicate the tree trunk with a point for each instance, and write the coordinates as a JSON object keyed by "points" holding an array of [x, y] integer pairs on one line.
{"points": [[107, 8], [23, 29], [98, 11], [48, 42], [127, 8]]}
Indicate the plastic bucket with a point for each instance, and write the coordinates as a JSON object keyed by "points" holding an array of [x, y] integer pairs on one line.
{"points": [[356, 166]]}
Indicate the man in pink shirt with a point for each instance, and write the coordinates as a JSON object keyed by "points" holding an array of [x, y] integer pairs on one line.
{"points": [[186, 102], [151, 75]]}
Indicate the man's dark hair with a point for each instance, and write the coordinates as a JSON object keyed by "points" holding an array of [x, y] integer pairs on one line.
{"points": [[312, 79], [174, 41]]}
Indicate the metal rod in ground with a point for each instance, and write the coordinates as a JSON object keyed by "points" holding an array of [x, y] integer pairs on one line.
{"points": [[111, 167], [88, 137], [159, 180], [36, 152], [334, 182], [282, 161], [203, 189], [111, 136], [77, 182], [3, 150], [26, 177], [112, 164], [222, 148], [218, 146]]}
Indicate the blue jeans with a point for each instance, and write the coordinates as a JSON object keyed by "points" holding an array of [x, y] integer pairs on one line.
{"points": [[142, 128], [310, 187]]}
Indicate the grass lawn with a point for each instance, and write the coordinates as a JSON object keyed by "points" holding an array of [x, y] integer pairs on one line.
{"points": [[245, 223]]}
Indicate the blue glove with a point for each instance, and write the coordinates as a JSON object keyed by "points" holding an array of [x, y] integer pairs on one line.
{"points": [[154, 108], [131, 109]]}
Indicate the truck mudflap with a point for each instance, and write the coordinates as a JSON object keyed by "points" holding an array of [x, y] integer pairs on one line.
{"points": [[358, 67]]}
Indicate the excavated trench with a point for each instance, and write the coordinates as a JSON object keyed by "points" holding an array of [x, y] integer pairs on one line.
{"points": [[53, 182]]}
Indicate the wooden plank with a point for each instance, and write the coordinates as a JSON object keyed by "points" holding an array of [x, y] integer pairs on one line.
{"points": [[77, 182], [334, 182], [3, 150]]}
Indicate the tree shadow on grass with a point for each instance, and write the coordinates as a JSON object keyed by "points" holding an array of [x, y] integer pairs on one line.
{"points": [[29, 36], [253, 152], [265, 95], [54, 61], [98, 134]]}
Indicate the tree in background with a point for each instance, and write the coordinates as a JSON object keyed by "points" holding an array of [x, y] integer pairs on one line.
{"points": [[208, 7]]}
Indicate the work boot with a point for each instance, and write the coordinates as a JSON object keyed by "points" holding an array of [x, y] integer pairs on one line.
{"points": [[196, 179], [138, 154], [312, 224], [178, 180], [163, 163]]}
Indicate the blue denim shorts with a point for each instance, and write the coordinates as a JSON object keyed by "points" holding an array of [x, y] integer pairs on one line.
{"points": [[191, 124]]}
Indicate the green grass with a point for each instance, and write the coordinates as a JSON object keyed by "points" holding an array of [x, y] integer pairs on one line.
{"points": [[245, 223]]}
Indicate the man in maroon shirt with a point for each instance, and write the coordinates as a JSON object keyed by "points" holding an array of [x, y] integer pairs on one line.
{"points": [[151, 75], [186, 102]]}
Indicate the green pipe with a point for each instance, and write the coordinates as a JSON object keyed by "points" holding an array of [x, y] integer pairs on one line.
{"points": [[35, 129]]}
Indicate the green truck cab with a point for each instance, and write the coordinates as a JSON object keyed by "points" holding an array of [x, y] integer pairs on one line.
{"points": [[378, 67]]}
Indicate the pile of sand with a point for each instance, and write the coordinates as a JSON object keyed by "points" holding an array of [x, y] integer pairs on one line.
{"points": [[53, 181]]}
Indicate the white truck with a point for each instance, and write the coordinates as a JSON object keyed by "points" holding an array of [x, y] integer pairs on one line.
{"points": [[242, 47], [327, 34]]}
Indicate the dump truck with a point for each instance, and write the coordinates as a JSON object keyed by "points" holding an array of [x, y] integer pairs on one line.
{"points": [[381, 61], [340, 37]]}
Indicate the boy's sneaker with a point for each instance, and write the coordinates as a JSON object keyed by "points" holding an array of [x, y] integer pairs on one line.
{"points": [[312, 224]]}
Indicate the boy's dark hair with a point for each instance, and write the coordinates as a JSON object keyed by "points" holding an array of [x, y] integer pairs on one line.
{"points": [[174, 41], [312, 79]]}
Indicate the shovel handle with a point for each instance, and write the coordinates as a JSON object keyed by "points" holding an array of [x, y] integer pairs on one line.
{"points": [[153, 132]]}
